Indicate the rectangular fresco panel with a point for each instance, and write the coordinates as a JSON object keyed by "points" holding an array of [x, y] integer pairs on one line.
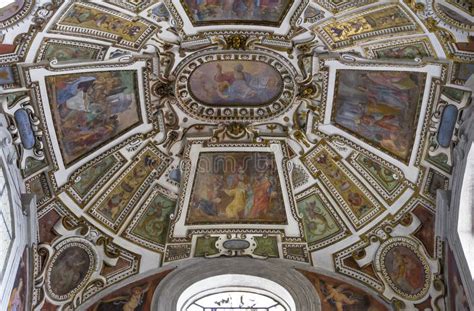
{"points": [[84, 182], [153, 222], [406, 51], [91, 109], [114, 203], [269, 12], [375, 23], [74, 52], [95, 18], [352, 196], [319, 222], [380, 107], [235, 187]]}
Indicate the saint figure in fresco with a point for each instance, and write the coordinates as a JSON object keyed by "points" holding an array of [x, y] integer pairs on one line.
{"points": [[262, 193], [406, 273], [89, 108], [238, 193], [70, 270], [236, 84], [207, 195], [112, 207]]}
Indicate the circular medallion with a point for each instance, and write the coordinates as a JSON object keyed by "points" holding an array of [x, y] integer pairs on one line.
{"points": [[14, 12], [404, 268], [69, 270], [235, 86]]}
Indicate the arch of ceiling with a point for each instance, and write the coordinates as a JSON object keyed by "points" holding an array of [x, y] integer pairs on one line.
{"points": [[156, 132], [306, 285]]}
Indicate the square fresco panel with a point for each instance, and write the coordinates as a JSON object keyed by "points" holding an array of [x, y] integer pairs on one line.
{"points": [[236, 187], [91, 109], [380, 107], [262, 12]]}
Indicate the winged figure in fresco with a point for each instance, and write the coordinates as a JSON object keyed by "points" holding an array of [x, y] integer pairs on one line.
{"points": [[343, 298], [133, 302]]}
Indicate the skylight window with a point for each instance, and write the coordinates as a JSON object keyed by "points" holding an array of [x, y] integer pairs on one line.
{"points": [[236, 301]]}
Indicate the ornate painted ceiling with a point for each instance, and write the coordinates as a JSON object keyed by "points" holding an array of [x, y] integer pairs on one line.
{"points": [[153, 132]]}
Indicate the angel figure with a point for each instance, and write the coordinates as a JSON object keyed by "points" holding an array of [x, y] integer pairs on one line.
{"points": [[132, 302], [339, 296]]}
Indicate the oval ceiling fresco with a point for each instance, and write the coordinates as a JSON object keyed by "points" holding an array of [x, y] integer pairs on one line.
{"points": [[404, 268], [69, 270], [225, 86], [235, 83]]}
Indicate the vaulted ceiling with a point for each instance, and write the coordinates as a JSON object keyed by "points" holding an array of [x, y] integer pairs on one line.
{"points": [[154, 132]]}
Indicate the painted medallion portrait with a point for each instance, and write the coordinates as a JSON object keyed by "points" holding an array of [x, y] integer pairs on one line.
{"points": [[91, 109], [262, 12], [405, 270], [69, 270], [236, 187], [380, 107], [235, 83]]}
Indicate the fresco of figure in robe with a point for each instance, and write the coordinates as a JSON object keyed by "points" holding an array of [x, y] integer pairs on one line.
{"points": [[237, 187]]}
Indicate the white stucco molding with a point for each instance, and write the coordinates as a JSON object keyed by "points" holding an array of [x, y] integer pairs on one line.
{"points": [[456, 221], [23, 209]]}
